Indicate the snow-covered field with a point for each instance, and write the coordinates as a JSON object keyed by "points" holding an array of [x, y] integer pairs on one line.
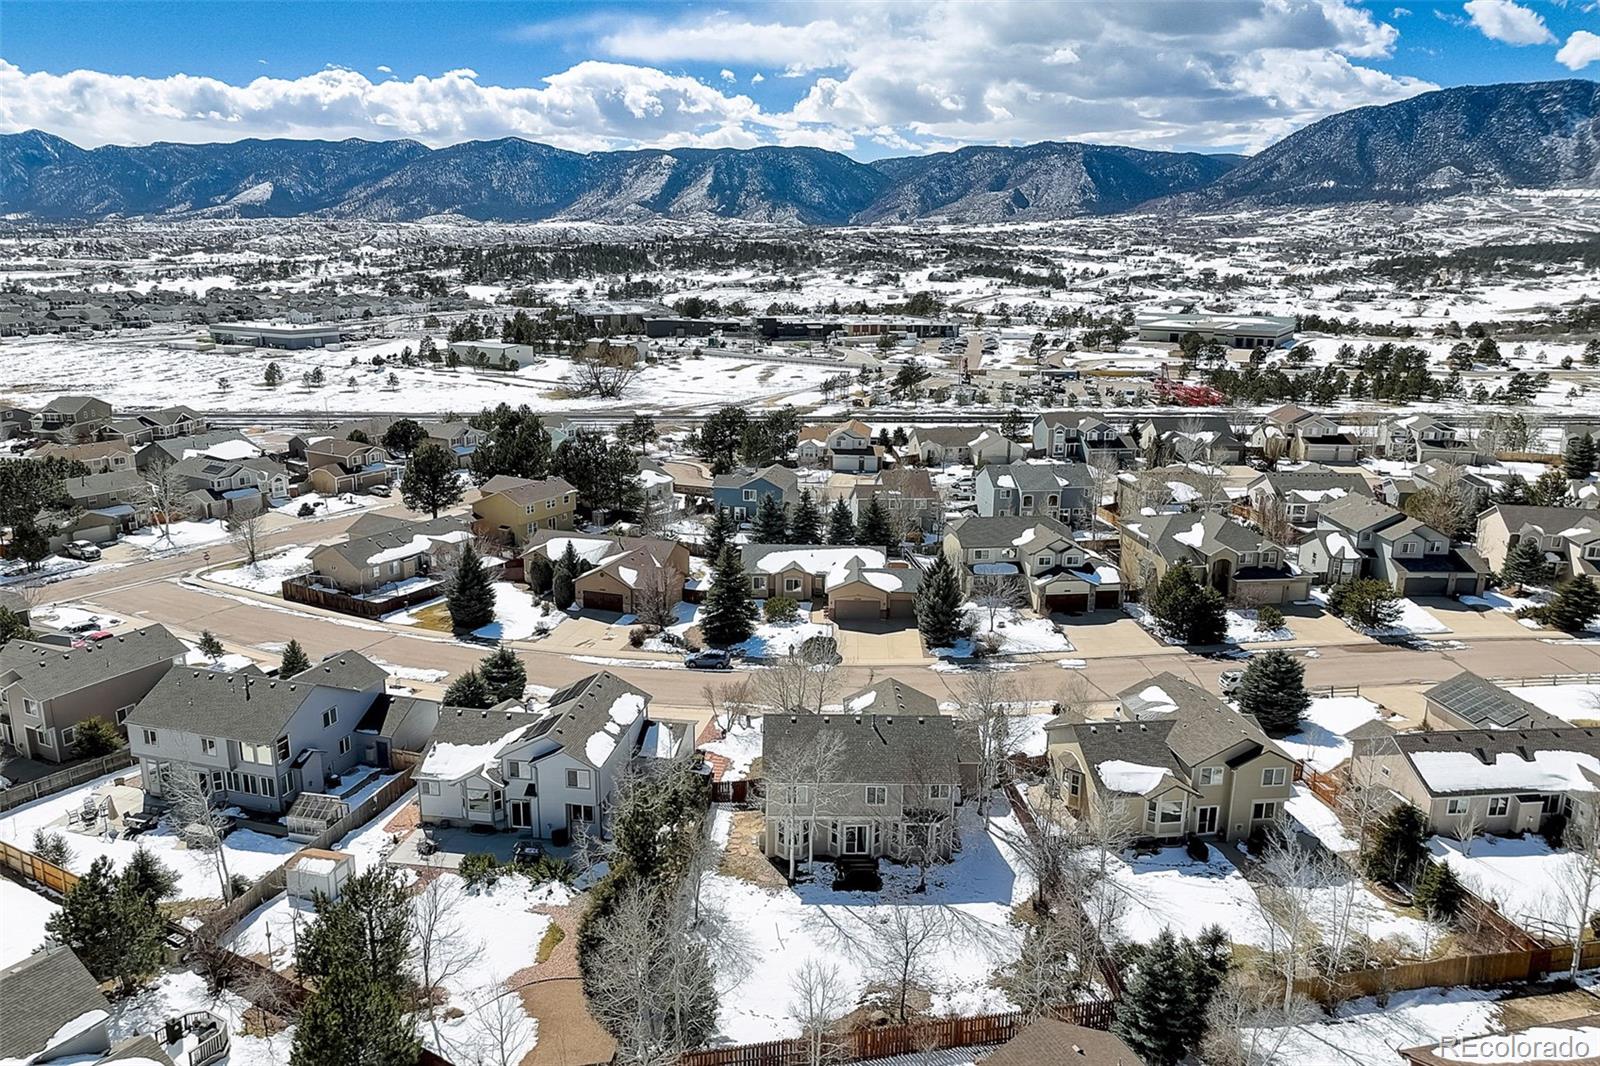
{"points": [[267, 573], [775, 932], [1531, 884], [1361, 1032], [516, 614], [1016, 633], [1320, 740], [22, 927]]}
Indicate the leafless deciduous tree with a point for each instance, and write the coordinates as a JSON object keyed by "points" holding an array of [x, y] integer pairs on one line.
{"points": [[605, 372], [1295, 878], [1244, 1030], [244, 530], [900, 943], [441, 947], [987, 699], [995, 593], [165, 495], [1577, 880], [197, 811], [819, 1000], [1103, 481], [792, 792], [1049, 970], [797, 684], [1272, 518], [1363, 797], [656, 598], [503, 1032], [727, 703]]}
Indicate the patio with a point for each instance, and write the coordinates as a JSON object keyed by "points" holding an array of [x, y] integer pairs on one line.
{"points": [[455, 844]]}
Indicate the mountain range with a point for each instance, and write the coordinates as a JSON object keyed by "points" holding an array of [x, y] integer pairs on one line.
{"points": [[1476, 138]]}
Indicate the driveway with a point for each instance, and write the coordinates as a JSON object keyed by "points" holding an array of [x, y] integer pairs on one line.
{"points": [[1466, 623], [1109, 633], [886, 643]]}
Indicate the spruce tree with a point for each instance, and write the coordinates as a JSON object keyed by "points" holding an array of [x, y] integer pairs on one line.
{"points": [[149, 876], [720, 532], [1187, 611], [874, 528], [504, 675], [938, 605], [469, 690], [1439, 892], [430, 482], [1273, 692], [541, 574], [111, 923], [1155, 1012], [1550, 490], [805, 525], [1397, 847], [1525, 564], [771, 525], [471, 597], [209, 645], [1575, 606], [562, 592], [295, 660], [1579, 459], [729, 613], [841, 527]]}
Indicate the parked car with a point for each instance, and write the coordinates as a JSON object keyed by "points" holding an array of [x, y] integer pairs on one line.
{"points": [[82, 549], [710, 659], [1229, 682], [381, 489]]}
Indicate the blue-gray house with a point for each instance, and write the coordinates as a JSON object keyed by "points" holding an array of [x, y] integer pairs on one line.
{"points": [[742, 491]]}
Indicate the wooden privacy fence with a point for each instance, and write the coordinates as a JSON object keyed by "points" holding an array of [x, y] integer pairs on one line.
{"points": [[884, 1041], [27, 864], [731, 791], [28, 791], [1493, 968], [304, 590]]}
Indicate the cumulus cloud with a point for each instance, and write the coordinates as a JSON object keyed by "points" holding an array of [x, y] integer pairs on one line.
{"points": [[1508, 21], [385, 70], [1581, 49], [866, 75]]}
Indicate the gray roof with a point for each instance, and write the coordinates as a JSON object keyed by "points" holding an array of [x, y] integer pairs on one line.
{"points": [[1548, 519], [38, 996], [71, 403], [1204, 725], [141, 1050], [113, 482], [786, 480], [358, 549], [389, 713], [1285, 481], [1050, 1042], [525, 490], [583, 708], [1485, 705], [233, 706], [344, 669], [951, 436], [50, 670], [876, 749], [1002, 531], [890, 696], [1356, 513], [1217, 532], [1041, 477], [1143, 742], [174, 447], [472, 725]]}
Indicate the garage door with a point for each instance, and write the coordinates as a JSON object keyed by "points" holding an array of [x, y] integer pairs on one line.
{"points": [[1426, 586], [857, 609], [905, 607], [1072, 603], [602, 601]]}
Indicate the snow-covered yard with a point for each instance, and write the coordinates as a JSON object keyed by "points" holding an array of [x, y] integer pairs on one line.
{"points": [[324, 506], [64, 616], [1523, 876], [741, 746], [1316, 818], [1570, 703], [1169, 889], [177, 537], [267, 573], [773, 640], [1243, 626], [1016, 634], [248, 852], [22, 928], [179, 992], [1361, 1032], [774, 933], [1412, 621], [1320, 740]]}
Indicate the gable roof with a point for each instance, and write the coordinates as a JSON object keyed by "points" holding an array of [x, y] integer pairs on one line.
{"points": [[812, 558], [1006, 531], [522, 490], [239, 707], [1474, 761], [890, 696], [1548, 520], [344, 669], [874, 748], [50, 670], [1204, 725], [1193, 536], [41, 995], [1284, 482], [584, 709], [1135, 757], [782, 478], [468, 740], [1357, 513], [1038, 477], [1485, 705]]}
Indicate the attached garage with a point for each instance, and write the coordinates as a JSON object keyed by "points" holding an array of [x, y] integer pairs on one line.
{"points": [[602, 601], [855, 609], [1069, 603], [902, 606]]}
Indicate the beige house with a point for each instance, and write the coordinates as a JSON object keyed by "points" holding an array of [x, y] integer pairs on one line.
{"points": [[345, 466], [101, 457], [624, 572], [861, 593], [962, 446], [1569, 536], [804, 571], [1178, 761], [47, 690], [390, 562], [517, 508], [1304, 436], [1053, 570], [1231, 557]]}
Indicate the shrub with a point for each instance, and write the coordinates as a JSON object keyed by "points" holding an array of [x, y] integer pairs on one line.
{"points": [[1198, 850], [96, 736], [548, 868], [819, 651], [1269, 617], [306, 510], [987, 644], [51, 847], [1439, 893], [553, 936], [480, 869], [636, 636], [781, 609], [239, 884], [1555, 829]]}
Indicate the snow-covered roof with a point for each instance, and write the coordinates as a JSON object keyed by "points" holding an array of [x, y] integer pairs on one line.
{"points": [[452, 762], [1131, 777], [1541, 771], [417, 545]]}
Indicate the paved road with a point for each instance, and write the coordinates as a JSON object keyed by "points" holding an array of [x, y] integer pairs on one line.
{"points": [[158, 590]]}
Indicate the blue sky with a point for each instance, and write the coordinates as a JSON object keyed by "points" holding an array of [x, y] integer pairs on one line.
{"points": [[866, 78]]}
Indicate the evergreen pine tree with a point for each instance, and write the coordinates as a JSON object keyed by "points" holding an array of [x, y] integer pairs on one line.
{"points": [[1550, 490], [96, 736], [841, 527], [729, 613], [503, 674], [149, 876], [805, 525], [469, 690], [1397, 848], [1578, 462], [209, 645], [938, 605], [1576, 604], [295, 660], [874, 528], [430, 482], [1155, 1012], [1187, 611], [720, 532], [771, 525], [1273, 692], [111, 923], [541, 574], [1439, 892], [1525, 564], [567, 569], [1513, 491], [471, 598]]}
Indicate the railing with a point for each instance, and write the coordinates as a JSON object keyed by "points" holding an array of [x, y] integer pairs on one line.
{"points": [[1543, 680], [61, 780], [211, 1048]]}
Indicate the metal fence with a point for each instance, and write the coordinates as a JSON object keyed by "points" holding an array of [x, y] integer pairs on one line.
{"points": [[60, 781]]}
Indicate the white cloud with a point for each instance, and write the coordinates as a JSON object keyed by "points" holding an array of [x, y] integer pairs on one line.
{"points": [[1508, 21], [727, 75], [385, 70], [757, 78], [1581, 49]]}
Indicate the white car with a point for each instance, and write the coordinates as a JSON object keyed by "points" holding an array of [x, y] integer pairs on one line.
{"points": [[82, 549], [1229, 680]]}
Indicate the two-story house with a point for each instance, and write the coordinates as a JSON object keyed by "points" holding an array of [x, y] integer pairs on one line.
{"points": [[1229, 556], [906, 494], [104, 506], [1072, 436], [460, 439], [1416, 559], [848, 447], [142, 427], [72, 418], [101, 457], [941, 446], [257, 742], [859, 787], [1425, 438], [740, 493], [1191, 438], [802, 571], [1301, 493], [548, 770], [1053, 570], [1569, 536], [1063, 491], [338, 466], [1179, 761], [48, 690], [54, 1012], [221, 488], [1303, 435], [225, 444], [515, 509]]}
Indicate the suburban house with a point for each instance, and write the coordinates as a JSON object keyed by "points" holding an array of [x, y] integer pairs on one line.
{"points": [[143, 427], [848, 447], [860, 786], [962, 446], [48, 690], [1569, 536], [1180, 761], [1229, 556], [1440, 475], [1416, 559], [257, 742], [1303, 435], [863, 593], [1500, 781], [224, 444], [514, 509], [1062, 491], [659, 487], [406, 553], [1053, 571], [905, 493], [220, 488], [54, 1011], [101, 457], [104, 506], [1189, 438], [1425, 438], [458, 438], [549, 770], [346, 466], [1302, 492], [1468, 701], [72, 418], [622, 571], [741, 492], [803, 571], [1072, 436]]}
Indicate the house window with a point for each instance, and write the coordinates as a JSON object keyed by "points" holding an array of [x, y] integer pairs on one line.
{"points": [[330, 716], [980, 554], [1208, 775], [758, 583], [1455, 806], [344, 745], [123, 712], [283, 748], [1027, 501], [428, 788], [1171, 812], [1263, 812], [1274, 776], [791, 584], [1435, 547], [749, 495], [149, 735], [515, 768], [1554, 804], [208, 746], [1499, 805], [1406, 547], [268, 787], [1044, 560], [938, 792], [69, 735], [577, 778], [877, 795]]}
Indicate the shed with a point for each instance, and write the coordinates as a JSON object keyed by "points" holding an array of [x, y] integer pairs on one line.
{"points": [[314, 872]]}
